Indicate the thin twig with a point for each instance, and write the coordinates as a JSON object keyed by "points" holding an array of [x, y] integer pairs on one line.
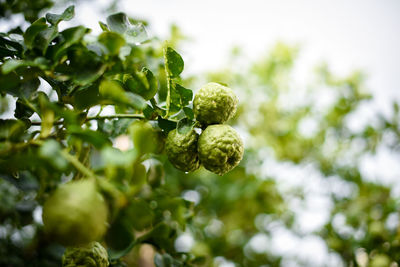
{"points": [[108, 117]]}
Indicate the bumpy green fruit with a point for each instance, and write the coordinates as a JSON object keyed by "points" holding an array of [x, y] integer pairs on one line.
{"points": [[214, 104], [220, 148], [75, 214], [182, 150], [91, 255]]}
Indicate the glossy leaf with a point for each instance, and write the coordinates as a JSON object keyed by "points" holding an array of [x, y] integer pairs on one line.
{"points": [[68, 14]]}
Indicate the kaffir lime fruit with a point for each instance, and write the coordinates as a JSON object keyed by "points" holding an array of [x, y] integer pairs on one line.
{"points": [[75, 214], [214, 104], [182, 150], [220, 148], [90, 255]]}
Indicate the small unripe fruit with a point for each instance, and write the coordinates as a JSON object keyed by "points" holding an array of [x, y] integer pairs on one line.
{"points": [[182, 150], [220, 148], [75, 214], [214, 104], [90, 255]]}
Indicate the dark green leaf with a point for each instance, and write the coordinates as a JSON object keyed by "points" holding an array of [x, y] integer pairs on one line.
{"points": [[112, 41], [44, 37], [184, 126], [173, 62], [9, 47], [33, 30], [68, 14], [149, 113], [138, 214], [189, 113], [166, 125], [85, 66], [22, 110], [118, 238], [69, 37], [97, 139], [186, 95], [11, 129]]}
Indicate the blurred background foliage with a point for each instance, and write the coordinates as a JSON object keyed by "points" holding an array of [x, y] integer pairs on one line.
{"points": [[302, 155]]}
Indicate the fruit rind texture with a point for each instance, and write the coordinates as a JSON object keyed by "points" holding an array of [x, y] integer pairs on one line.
{"points": [[220, 148], [91, 255], [181, 150], [214, 104]]}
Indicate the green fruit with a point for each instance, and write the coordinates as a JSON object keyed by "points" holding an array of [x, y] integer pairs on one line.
{"points": [[220, 148], [75, 214], [145, 138], [91, 255], [182, 150], [214, 104]]}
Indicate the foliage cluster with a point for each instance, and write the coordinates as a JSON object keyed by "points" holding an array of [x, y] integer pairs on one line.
{"points": [[297, 146]]}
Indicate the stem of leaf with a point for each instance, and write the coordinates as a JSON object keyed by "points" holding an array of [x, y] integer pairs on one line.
{"points": [[77, 164]]}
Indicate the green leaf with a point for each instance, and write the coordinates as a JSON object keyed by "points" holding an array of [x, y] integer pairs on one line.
{"points": [[189, 113], [166, 125], [138, 214], [97, 139], [51, 151], [173, 62], [11, 129], [118, 238], [166, 260], [104, 26], [161, 236], [179, 97], [22, 110], [13, 64], [113, 91], [69, 37], [149, 113], [85, 66], [87, 97], [9, 47], [33, 30], [68, 14], [185, 95], [43, 38], [142, 83], [112, 41], [184, 126], [118, 22], [133, 33]]}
